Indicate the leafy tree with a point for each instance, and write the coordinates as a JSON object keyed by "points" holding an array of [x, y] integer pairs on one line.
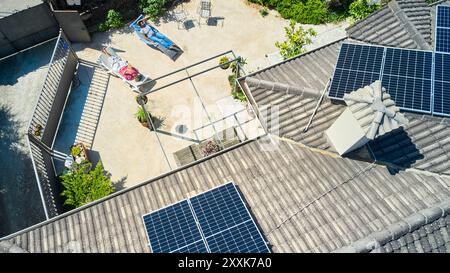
{"points": [[113, 20], [152, 8], [83, 185], [296, 39], [360, 9]]}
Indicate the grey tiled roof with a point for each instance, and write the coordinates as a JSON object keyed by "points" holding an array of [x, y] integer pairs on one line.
{"points": [[303, 201], [400, 23], [422, 144], [425, 231], [418, 13], [312, 71]]}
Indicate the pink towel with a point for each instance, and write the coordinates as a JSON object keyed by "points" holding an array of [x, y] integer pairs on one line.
{"points": [[128, 72]]}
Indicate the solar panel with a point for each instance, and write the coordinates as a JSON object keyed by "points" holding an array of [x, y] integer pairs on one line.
{"points": [[171, 228], [218, 217], [407, 77], [219, 209], [441, 103], [442, 40], [442, 37], [443, 16], [357, 66], [197, 247], [243, 238]]}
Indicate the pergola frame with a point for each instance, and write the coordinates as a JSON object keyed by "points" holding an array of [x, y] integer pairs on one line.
{"points": [[189, 77]]}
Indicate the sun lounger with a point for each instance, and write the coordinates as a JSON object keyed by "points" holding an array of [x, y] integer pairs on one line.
{"points": [[173, 53], [106, 62]]}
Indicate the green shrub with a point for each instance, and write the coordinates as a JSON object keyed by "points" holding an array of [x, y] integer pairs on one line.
{"points": [[360, 9], [296, 39], [338, 5], [152, 8], [309, 11], [141, 115], [83, 185], [236, 91], [113, 20]]}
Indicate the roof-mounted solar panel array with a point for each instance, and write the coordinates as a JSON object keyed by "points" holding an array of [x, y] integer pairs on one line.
{"points": [[417, 80], [216, 221], [406, 74]]}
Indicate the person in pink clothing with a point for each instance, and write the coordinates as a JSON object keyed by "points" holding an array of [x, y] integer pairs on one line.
{"points": [[123, 67]]}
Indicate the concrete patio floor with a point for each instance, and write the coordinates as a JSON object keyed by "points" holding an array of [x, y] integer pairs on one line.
{"points": [[133, 154]]}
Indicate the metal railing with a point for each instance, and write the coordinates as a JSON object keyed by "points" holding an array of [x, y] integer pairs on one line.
{"points": [[40, 147], [42, 176], [51, 84]]}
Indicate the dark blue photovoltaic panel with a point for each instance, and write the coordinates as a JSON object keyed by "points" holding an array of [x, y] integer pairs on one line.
{"points": [[345, 81], [243, 238], [442, 40], [442, 67], [218, 216], [197, 247], [171, 228], [441, 104], [407, 77], [357, 66], [443, 16], [219, 209]]}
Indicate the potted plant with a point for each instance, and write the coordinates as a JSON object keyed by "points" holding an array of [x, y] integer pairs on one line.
{"points": [[224, 62], [79, 153], [37, 130], [141, 116], [210, 148]]}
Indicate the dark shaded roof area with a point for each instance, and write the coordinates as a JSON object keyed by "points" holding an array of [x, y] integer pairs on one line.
{"points": [[303, 201]]}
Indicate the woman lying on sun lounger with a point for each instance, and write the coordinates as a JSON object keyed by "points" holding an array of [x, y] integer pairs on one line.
{"points": [[154, 36], [123, 67]]}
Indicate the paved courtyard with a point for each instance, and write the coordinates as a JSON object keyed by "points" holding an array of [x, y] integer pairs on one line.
{"points": [[201, 105]]}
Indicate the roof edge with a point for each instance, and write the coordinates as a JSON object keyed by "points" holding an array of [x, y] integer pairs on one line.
{"points": [[395, 231], [437, 3], [115, 194], [284, 88], [292, 58], [366, 18]]}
